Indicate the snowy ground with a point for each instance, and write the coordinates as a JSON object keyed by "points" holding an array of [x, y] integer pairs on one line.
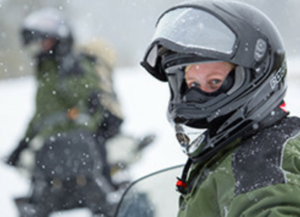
{"points": [[144, 103]]}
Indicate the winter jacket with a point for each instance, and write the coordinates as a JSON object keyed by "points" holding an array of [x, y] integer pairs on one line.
{"points": [[67, 96], [259, 177], [67, 100]]}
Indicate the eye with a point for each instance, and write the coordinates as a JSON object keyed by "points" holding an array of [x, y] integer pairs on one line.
{"points": [[194, 84], [215, 84], [216, 81]]}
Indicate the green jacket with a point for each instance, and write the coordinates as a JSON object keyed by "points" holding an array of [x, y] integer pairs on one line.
{"points": [[67, 96], [258, 178]]}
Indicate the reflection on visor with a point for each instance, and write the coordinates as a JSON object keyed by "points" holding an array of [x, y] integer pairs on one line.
{"points": [[151, 58], [190, 139], [195, 28]]}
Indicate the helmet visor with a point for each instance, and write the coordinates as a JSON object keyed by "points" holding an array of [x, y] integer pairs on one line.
{"points": [[195, 28]]}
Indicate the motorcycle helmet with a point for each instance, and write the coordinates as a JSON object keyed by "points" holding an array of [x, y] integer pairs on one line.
{"points": [[213, 31], [48, 23]]}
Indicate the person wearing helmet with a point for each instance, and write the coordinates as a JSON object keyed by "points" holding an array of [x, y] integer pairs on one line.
{"points": [[61, 147], [224, 62]]}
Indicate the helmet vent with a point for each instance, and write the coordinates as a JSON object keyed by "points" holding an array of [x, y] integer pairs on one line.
{"points": [[260, 49]]}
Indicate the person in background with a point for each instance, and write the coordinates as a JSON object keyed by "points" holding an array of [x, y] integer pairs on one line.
{"points": [[225, 64], [63, 150]]}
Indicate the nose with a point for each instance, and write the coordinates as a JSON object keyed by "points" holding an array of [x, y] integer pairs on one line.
{"points": [[204, 88]]}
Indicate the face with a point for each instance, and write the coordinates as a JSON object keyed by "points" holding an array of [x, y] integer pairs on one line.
{"points": [[209, 77], [48, 44]]}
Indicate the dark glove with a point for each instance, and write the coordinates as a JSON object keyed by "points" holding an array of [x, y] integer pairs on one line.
{"points": [[14, 156], [110, 126]]}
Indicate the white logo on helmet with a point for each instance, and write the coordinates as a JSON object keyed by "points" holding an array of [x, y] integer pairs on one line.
{"points": [[278, 76]]}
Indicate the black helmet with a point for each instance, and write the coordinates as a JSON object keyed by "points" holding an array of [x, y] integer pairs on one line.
{"points": [[47, 23], [228, 31]]}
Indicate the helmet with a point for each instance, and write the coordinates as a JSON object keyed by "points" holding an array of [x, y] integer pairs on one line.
{"points": [[47, 23], [227, 31]]}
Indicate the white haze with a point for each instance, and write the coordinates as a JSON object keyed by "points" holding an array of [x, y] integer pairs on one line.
{"points": [[144, 101]]}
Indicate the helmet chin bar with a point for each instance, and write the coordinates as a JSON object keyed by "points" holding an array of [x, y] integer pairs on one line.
{"points": [[244, 120], [199, 145], [190, 141], [204, 146]]}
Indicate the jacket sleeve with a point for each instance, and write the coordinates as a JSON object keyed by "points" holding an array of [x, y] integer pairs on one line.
{"points": [[80, 89], [280, 200]]}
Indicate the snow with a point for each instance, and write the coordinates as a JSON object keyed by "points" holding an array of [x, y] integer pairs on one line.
{"points": [[144, 101]]}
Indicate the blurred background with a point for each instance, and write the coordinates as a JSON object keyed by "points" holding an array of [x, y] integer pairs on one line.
{"points": [[126, 25]]}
